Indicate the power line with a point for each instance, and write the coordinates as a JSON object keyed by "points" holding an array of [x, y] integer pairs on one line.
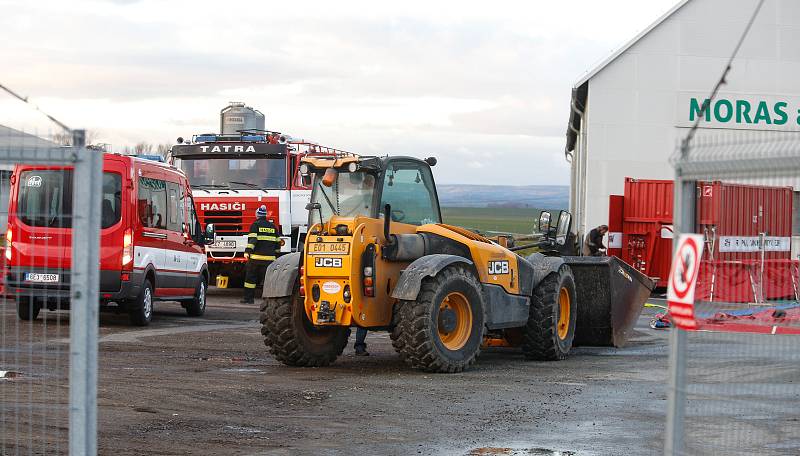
{"points": [[25, 100], [720, 82]]}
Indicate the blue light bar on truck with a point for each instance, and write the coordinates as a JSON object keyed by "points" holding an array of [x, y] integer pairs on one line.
{"points": [[151, 157], [205, 138], [254, 138]]}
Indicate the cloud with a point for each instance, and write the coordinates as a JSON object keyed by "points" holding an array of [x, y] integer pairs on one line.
{"points": [[486, 89]]}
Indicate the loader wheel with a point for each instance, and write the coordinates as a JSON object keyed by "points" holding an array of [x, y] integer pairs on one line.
{"points": [[442, 330], [550, 330], [291, 337]]}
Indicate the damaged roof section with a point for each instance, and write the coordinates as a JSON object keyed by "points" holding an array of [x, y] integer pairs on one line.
{"points": [[576, 109]]}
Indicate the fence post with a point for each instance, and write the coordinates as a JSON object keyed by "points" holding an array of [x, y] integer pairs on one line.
{"points": [[684, 217], [85, 283]]}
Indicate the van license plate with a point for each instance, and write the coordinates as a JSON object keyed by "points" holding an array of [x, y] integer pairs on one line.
{"points": [[224, 245], [41, 278]]}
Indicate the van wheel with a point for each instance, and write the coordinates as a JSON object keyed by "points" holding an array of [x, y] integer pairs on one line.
{"points": [[28, 308], [197, 306], [141, 310]]}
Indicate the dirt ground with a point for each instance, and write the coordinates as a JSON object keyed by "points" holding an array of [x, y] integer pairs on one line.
{"points": [[208, 386]]}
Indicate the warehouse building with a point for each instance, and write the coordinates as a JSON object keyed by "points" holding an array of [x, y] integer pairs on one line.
{"points": [[629, 113]]}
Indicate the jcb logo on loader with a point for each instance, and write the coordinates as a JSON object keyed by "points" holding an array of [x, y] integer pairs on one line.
{"points": [[498, 267], [322, 262]]}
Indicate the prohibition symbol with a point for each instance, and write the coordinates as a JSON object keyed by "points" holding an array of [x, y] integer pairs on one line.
{"points": [[685, 268], [685, 272]]}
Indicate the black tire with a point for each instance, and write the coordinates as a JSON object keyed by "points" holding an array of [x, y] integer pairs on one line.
{"points": [[419, 325], [291, 337], [140, 310], [541, 339], [28, 308], [197, 306]]}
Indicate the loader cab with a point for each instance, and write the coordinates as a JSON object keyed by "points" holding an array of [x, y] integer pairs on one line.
{"points": [[557, 238], [353, 187]]}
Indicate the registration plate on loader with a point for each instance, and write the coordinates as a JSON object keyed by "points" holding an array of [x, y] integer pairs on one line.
{"points": [[328, 248]]}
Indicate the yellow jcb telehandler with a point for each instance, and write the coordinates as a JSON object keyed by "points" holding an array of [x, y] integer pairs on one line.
{"points": [[378, 256]]}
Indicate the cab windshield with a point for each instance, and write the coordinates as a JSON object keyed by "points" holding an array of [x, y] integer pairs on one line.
{"points": [[266, 173], [350, 195]]}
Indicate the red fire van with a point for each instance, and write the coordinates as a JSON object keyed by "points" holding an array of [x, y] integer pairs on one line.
{"points": [[151, 243]]}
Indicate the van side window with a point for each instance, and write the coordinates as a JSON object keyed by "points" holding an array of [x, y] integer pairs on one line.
{"points": [[152, 203], [175, 209], [194, 224], [111, 212]]}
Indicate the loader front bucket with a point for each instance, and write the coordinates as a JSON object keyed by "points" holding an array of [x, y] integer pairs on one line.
{"points": [[611, 296]]}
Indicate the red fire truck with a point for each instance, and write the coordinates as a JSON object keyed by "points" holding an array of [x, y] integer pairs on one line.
{"points": [[231, 176]]}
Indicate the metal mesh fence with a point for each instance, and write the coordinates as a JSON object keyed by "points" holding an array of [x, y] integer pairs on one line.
{"points": [[48, 327], [735, 380]]}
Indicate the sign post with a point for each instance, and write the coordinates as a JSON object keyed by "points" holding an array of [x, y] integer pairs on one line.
{"points": [[683, 280]]}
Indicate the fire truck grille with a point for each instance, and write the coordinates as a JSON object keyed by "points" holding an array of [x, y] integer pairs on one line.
{"points": [[227, 223]]}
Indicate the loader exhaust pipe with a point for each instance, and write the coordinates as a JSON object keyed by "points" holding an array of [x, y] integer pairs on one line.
{"points": [[387, 222]]}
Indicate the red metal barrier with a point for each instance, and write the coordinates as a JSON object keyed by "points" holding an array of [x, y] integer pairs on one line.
{"points": [[741, 280]]}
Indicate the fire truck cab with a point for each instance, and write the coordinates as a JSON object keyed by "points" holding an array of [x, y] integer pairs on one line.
{"points": [[231, 176]]}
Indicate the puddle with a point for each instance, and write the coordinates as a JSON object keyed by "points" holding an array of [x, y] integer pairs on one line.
{"points": [[503, 451], [242, 430], [243, 369]]}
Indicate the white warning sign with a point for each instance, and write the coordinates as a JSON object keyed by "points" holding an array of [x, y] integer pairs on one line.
{"points": [[683, 280]]}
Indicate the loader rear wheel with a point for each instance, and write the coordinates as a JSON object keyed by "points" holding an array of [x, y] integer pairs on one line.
{"points": [[550, 330], [442, 330], [291, 337]]}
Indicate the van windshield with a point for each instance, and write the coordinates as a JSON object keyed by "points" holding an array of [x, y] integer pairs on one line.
{"points": [[267, 173], [45, 198]]}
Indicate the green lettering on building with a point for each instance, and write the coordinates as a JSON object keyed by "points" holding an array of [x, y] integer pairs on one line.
{"points": [[741, 112]]}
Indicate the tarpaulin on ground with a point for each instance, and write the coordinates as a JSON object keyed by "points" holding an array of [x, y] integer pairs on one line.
{"points": [[739, 281], [781, 319]]}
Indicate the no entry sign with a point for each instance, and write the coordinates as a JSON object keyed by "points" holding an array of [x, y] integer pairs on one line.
{"points": [[683, 280]]}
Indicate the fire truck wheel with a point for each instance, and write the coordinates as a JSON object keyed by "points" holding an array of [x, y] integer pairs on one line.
{"points": [[291, 337], [28, 308], [140, 310], [197, 306]]}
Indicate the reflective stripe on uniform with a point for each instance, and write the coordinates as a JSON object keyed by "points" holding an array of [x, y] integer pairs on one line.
{"points": [[251, 246], [265, 230], [249, 285], [252, 235], [267, 238], [253, 256]]}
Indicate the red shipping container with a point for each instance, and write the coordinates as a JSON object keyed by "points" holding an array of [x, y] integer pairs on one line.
{"points": [[615, 213], [736, 219], [647, 227]]}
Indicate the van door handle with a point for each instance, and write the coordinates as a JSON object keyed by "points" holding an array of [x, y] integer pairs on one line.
{"points": [[154, 235]]}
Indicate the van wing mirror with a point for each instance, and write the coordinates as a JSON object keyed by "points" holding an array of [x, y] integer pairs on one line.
{"points": [[544, 222], [210, 235]]}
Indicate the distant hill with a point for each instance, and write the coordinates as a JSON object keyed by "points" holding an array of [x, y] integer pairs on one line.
{"points": [[532, 196]]}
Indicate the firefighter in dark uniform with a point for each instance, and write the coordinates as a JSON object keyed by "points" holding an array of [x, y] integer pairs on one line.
{"points": [[262, 242]]}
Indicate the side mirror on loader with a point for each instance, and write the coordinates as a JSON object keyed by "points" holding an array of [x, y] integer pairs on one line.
{"points": [[544, 222], [563, 227]]}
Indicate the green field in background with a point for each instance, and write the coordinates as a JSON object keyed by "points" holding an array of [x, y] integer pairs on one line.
{"points": [[504, 219]]}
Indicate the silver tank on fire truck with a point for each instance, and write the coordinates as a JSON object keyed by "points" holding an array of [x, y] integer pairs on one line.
{"points": [[237, 117]]}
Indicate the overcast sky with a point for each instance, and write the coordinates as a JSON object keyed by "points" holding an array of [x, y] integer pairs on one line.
{"points": [[483, 86]]}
